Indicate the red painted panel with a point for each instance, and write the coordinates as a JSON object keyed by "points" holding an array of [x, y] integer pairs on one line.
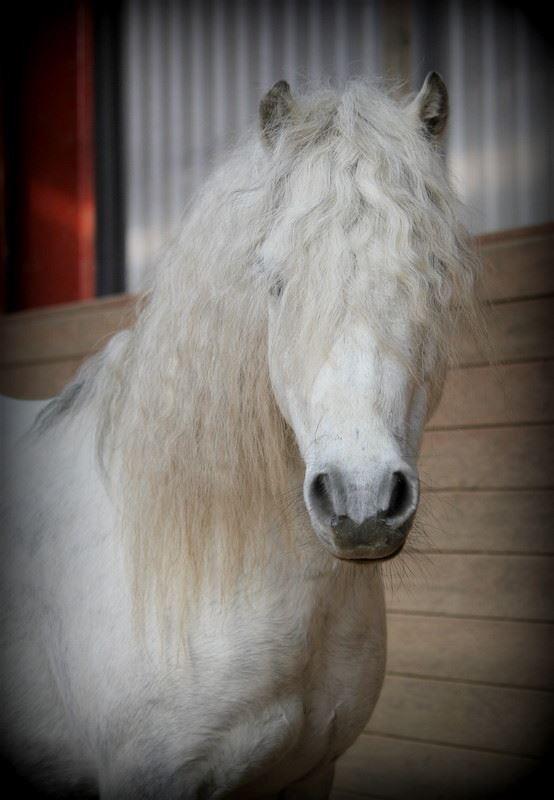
{"points": [[3, 209], [55, 209]]}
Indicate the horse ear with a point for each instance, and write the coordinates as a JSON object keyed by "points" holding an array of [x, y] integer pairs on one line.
{"points": [[430, 106], [275, 109]]}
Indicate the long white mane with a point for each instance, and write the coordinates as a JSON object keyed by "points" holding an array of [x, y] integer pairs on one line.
{"points": [[349, 213]]}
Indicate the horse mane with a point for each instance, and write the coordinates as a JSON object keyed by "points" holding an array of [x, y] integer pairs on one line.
{"points": [[197, 453]]}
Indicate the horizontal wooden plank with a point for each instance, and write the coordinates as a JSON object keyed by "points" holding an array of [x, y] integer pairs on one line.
{"points": [[63, 333], [516, 268], [114, 301], [37, 381], [510, 393], [519, 654], [489, 521], [490, 458], [483, 459], [408, 770], [511, 234], [516, 721], [517, 331], [505, 587]]}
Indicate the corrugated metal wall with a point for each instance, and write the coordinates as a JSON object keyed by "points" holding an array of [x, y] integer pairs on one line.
{"points": [[195, 71], [498, 67], [194, 75]]}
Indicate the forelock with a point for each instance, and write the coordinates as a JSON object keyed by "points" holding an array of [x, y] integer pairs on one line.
{"points": [[364, 204]]}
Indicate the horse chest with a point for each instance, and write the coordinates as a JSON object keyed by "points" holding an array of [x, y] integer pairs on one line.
{"points": [[309, 682], [288, 679]]}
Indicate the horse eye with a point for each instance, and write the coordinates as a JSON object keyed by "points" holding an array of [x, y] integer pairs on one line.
{"points": [[276, 289]]}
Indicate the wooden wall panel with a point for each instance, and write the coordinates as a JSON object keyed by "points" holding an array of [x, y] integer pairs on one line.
{"points": [[41, 350], [37, 381], [507, 394], [489, 458], [500, 521], [480, 650], [504, 587], [390, 767], [522, 267], [61, 333], [467, 706], [512, 721], [521, 329], [518, 330]]}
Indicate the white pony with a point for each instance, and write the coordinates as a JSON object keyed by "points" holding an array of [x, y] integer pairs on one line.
{"points": [[193, 529]]}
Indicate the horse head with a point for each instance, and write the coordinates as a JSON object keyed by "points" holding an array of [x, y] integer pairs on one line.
{"points": [[365, 272]]}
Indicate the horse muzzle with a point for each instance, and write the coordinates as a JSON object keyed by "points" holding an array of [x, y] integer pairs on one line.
{"points": [[358, 519]]}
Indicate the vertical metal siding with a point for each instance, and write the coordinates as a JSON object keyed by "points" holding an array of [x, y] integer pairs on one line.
{"points": [[497, 66], [195, 72]]}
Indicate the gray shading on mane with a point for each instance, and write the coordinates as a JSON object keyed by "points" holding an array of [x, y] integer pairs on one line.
{"points": [[58, 407], [80, 389]]}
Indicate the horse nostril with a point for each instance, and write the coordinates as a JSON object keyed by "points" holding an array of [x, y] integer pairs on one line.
{"points": [[398, 495], [319, 489], [320, 497], [402, 500]]}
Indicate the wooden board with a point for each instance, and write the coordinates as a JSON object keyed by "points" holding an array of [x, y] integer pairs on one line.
{"points": [[37, 381], [517, 721], [519, 654], [61, 333], [408, 770], [486, 521], [516, 330], [502, 587], [507, 394], [495, 458], [516, 268], [519, 330], [73, 336], [513, 393]]}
